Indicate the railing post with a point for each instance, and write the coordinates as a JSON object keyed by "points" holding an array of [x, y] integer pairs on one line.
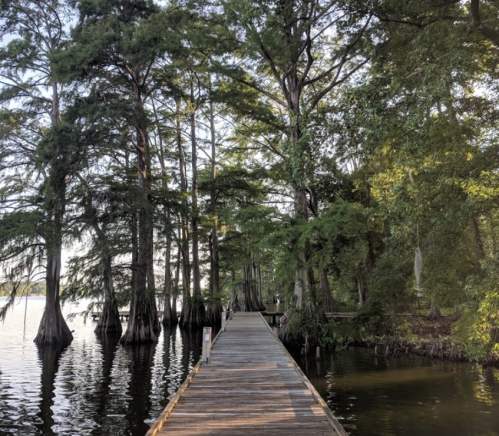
{"points": [[224, 320], [206, 344]]}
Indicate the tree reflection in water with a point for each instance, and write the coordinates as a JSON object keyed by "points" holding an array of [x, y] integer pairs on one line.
{"points": [[141, 360], [105, 412], [94, 387], [49, 358]]}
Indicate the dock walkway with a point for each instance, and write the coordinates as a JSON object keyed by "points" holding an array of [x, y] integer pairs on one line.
{"points": [[250, 386]]}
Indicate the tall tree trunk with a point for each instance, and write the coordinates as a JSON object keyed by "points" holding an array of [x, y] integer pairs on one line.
{"points": [[143, 323], [477, 237], [252, 288], [197, 316], [362, 291], [184, 218], [169, 318], [326, 290], [234, 299], [53, 329], [134, 237], [176, 288], [109, 322], [371, 260], [304, 275], [214, 309]]}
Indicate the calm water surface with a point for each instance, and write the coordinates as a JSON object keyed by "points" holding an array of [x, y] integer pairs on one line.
{"points": [[102, 388], [407, 396], [90, 388]]}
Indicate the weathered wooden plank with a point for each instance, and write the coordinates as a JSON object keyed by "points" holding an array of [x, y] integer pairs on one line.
{"points": [[251, 386]]}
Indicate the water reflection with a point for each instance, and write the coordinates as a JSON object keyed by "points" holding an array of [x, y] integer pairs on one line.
{"points": [[93, 387], [98, 387], [190, 355], [49, 359], [407, 396], [140, 358], [103, 389]]}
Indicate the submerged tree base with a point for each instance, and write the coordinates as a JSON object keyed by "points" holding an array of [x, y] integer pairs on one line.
{"points": [[143, 324], [194, 313], [109, 322], [53, 330], [170, 318], [214, 314], [137, 336]]}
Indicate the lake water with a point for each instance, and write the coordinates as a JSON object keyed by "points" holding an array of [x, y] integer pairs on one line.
{"points": [[95, 388], [406, 396], [91, 388]]}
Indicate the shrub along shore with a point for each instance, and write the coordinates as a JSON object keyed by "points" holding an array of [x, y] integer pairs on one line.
{"points": [[440, 338]]}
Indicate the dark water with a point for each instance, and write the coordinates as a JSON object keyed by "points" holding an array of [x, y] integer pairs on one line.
{"points": [[90, 388], [95, 388], [407, 396]]}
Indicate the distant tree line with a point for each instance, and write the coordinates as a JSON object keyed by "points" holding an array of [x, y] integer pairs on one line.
{"points": [[30, 289]]}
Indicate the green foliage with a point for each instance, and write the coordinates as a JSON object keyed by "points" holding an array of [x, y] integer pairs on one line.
{"points": [[342, 143], [307, 324], [31, 289], [478, 326]]}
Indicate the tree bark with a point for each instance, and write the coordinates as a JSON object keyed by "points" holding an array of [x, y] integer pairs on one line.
{"points": [[197, 314], [109, 322], [371, 259], [362, 291], [434, 314], [252, 288], [176, 288], [184, 231], [304, 276], [477, 237], [169, 318], [53, 329], [326, 290], [214, 308], [143, 323], [234, 299]]}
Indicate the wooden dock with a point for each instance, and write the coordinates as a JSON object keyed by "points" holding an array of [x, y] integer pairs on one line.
{"points": [[250, 386]]}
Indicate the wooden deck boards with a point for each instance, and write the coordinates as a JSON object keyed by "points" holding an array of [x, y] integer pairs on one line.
{"points": [[251, 386]]}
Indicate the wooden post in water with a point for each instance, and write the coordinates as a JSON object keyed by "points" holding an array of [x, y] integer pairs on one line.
{"points": [[206, 344], [224, 320]]}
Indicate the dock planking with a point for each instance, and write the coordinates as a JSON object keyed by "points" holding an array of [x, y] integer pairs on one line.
{"points": [[250, 386]]}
